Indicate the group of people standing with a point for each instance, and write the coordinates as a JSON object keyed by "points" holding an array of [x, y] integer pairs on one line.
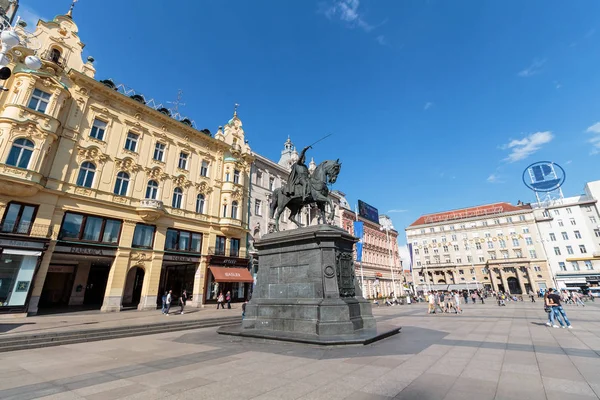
{"points": [[167, 299], [444, 301], [556, 312]]}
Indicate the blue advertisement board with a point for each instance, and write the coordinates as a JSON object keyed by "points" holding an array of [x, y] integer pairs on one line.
{"points": [[368, 212]]}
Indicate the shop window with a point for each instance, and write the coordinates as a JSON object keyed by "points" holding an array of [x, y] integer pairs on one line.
{"points": [[121, 184], [86, 174], [90, 228], [152, 190], [200, 199], [16, 273], [18, 218], [98, 129], [220, 246], [183, 241], [234, 210], [234, 248], [143, 236], [39, 101], [177, 197], [20, 153]]}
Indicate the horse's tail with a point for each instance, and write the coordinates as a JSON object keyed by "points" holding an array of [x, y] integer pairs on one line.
{"points": [[273, 205]]}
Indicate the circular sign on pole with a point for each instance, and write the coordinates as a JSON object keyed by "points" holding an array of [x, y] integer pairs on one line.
{"points": [[544, 176]]}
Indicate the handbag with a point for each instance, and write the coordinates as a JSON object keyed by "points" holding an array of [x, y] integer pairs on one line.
{"points": [[547, 309]]}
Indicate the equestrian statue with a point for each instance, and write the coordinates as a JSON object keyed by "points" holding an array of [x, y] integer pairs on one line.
{"points": [[304, 188]]}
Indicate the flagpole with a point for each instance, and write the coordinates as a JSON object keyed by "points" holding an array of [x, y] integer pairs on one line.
{"points": [[362, 274]]}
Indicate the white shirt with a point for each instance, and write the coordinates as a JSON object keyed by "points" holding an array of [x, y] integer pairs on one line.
{"points": [[169, 298]]}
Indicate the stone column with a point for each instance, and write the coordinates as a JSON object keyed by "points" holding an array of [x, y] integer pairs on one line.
{"points": [[152, 263], [532, 282], [118, 272], [492, 274], [504, 281], [521, 280], [199, 296], [40, 277]]}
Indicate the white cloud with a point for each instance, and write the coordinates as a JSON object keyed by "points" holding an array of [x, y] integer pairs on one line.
{"points": [[595, 140], [533, 69], [404, 256], [382, 40], [396, 211], [557, 84], [346, 11], [30, 16], [568, 162], [494, 178], [521, 149], [428, 105]]}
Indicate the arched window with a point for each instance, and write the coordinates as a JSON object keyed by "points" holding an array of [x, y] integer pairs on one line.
{"points": [[234, 209], [200, 204], [86, 174], [20, 153], [177, 196], [55, 55], [152, 190], [121, 183]]}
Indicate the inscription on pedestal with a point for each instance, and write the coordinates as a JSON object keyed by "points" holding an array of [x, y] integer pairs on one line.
{"points": [[346, 274]]}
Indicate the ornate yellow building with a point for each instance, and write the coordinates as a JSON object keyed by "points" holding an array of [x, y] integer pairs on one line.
{"points": [[107, 202]]}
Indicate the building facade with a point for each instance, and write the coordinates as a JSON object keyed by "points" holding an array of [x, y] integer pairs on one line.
{"points": [[493, 246], [381, 267], [106, 201], [569, 229]]}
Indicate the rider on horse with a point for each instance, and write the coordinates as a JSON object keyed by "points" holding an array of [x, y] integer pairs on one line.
{"points": [[298, 183]]}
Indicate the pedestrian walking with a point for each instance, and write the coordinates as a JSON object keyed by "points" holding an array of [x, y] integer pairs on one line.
{"points": [[473, 297], [558, 313], [169, 298], [578, 299], [532, 295], [457, 303], [481, 297], [228, 300], [431, 301], [220, 300], [164, 302], [244, 309], [466, 297], [182, 301]]}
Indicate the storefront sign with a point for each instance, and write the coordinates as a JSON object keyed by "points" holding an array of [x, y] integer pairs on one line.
{"points": [[474, 240], [21, 243], [85, 251], [180, 258], [229, 261]]}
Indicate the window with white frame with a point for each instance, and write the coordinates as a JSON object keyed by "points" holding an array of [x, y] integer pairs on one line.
{"points": [[504, 254], [236, 176], [562, 266], [532, 254], [553, 237], [515, 242], [481, 259], [259, 177], [478, 246], [593, 220], [39, 101], [183, 160], [556, 212], [204, 168], [502, 244], [271, 183], [469, 259], [597, 232], [257, 207], [573, 222], [557, 251], [492, 255], [582, 249], [86, 174], [490, 245], [528, 241], [131, 142], [159, 151], [570, 250], [560, 223], [456, 248], [537, 268], [588, 208], [577, 234], [458, 261], [525, 230], [565, 236], [521, 218], [575, 265], [98, 129], [234, 209], [200, 199], [121, 184], [569, 211], [177, 198], [588, 265], [20, 153], [518, 253], [152, 190]]}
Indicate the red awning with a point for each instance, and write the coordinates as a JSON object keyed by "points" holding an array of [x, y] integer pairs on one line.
{"points": [[223, 274]]}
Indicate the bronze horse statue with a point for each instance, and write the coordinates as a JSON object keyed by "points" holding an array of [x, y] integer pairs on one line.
{"points": [[326, 172]]}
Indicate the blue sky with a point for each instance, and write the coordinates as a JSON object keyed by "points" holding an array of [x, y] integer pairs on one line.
{"points": [[433, 104]]}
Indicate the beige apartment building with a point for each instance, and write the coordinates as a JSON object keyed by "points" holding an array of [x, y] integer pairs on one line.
{"points": [[106, 201], [493, 246]]}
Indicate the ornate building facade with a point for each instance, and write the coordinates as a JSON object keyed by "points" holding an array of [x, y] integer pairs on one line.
{"points": [[107, 202], [494, 246]]}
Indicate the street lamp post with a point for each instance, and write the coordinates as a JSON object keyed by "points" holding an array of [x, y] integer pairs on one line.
{"points": [[10, 39]]}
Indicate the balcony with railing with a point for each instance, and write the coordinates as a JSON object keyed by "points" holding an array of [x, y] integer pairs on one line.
{"points": [[150, 210], [26, 229], [54, 57]]}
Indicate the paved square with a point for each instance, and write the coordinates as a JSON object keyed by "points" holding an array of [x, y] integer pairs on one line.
{"points": [[489, 352]]}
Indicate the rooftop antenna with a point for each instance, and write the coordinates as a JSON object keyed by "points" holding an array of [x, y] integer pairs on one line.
{"points": [[177, 102]]}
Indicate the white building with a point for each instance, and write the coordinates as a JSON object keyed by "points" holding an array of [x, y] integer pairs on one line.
{"points": [[569, 229]]}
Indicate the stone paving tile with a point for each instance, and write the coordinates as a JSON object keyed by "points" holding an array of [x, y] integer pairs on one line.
{"points": [[366, 396], [568, 386], [428, 386], [102, 387], [455, 394], [292, 391], [332, 391], [118, 393], [63, 396]]}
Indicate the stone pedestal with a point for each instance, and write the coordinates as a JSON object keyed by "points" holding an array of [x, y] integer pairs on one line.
{"points": [[306, 290]]}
